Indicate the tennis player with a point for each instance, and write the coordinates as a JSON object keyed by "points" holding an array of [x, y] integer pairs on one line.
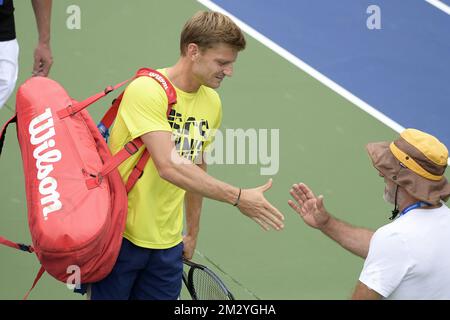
{"points": [[150, 262]]}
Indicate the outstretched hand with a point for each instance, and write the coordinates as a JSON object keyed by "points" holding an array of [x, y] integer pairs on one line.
{"points": [[308, 206], [254, 205]]}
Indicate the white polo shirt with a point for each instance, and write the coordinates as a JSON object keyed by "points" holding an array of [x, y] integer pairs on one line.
{"points": [[409, 258]]}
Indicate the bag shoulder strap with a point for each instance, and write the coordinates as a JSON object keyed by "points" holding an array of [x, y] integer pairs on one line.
{"points": [[13, 119], [4, 241], [36, 280], [72, 109], [138, 170], [131, 147], [109, 117]]}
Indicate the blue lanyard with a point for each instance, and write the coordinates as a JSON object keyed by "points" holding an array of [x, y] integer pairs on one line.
{"points": [[414, 206]]}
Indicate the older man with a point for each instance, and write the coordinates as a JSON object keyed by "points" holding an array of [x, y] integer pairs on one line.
{"points": [[408, 258]]}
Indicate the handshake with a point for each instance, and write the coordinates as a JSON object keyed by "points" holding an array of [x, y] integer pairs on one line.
{"points": [[252, 203]]}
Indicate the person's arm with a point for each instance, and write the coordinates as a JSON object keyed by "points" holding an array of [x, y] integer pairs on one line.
{"points": [[313, 212], [184, 174], [193, 203], [354, 239], [43, 59], [363, 292]]}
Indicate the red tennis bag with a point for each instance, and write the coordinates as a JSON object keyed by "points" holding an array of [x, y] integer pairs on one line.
{"points": [[77, 201]]}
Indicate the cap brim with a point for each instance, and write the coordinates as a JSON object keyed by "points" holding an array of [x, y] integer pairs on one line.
{"points": [[421, 188]]}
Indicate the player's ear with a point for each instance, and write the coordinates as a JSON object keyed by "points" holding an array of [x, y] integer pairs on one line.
{"points": [[193, 51]]}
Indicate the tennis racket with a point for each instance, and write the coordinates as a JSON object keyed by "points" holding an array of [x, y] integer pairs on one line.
{"points": [[203, 284]]}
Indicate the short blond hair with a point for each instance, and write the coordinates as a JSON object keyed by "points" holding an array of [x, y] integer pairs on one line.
{"points": [[207, 29]]}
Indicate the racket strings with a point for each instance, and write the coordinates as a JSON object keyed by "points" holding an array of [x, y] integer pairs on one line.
{"points": [[207, 287]]}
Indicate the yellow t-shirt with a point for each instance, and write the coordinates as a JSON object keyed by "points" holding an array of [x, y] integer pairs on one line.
{"points": [[155, 206]]}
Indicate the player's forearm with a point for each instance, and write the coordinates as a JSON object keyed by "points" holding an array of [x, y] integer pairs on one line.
{"points": [[354, 239], [193, 203], [193, 179], [182, 172], [42, 11]]}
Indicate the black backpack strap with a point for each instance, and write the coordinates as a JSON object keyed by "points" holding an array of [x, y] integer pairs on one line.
{"points": [[3, 133]]}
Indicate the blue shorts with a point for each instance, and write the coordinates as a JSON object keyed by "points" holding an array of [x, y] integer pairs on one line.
{"points": [[142, 274]]}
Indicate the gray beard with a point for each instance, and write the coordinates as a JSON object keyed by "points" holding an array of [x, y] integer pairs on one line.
{"points": [[388, 198]]}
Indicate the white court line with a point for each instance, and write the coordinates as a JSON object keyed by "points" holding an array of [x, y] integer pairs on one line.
{"points": [[308, 69], [440, 5]]}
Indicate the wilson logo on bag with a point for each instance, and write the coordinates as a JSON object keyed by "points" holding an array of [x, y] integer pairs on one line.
{"points": [[77, 202], [41, 131]]}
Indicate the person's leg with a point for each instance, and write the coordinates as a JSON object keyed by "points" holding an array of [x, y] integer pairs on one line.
{"points": [[118, 284], [9, 54], [162, 277]]}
